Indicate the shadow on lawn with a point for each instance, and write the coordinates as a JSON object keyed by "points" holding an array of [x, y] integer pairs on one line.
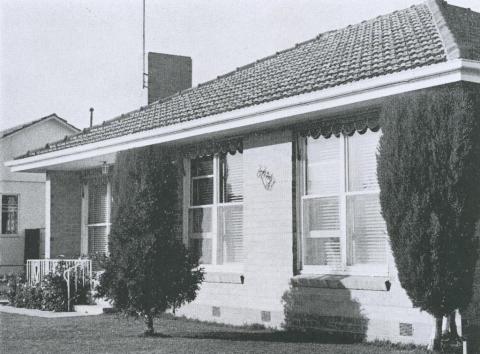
{"points": [[273, 336]]}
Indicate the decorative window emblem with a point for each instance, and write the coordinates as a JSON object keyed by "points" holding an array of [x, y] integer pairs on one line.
{"points": [[267, 177]]}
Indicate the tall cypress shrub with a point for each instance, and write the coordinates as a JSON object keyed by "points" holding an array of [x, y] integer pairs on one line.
{"points": [[148, 269], [429, 176]]}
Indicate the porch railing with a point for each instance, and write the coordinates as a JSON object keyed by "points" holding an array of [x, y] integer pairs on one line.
{"points": [[37, 269]]}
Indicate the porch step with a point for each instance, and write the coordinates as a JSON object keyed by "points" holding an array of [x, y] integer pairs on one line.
{"points": [[103, 303], [89, 309]]}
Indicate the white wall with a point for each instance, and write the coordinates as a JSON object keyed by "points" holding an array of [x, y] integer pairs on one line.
{"points": [[30, 187]]}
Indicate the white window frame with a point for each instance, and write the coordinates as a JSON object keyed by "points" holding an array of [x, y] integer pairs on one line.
{"points": [[343, 195], [84, 221], [18, 214], [187, 198]]}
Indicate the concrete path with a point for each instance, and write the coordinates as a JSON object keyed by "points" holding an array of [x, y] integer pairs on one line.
{"points": [[39, 313]]}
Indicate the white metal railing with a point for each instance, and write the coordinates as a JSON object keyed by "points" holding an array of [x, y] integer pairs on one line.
{"points": [[37, 269]]}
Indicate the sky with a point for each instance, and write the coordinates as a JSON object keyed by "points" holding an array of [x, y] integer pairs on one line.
{"points": [[65, 56]]}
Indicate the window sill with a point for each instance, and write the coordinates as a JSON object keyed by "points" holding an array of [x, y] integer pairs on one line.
{"points": [[223, 277], [354, 282], [9, 235]]}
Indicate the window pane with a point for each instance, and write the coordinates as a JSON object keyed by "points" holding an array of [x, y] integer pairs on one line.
{"points": [[97, 243], [230, 239], [97, 239], [323, 251], [366, 230], [323, 165], [362, 161], [231, 178], [322, 217], [9, 214], [202, 191], [199, 226], [202, 166], [202, 248], [322, 231], [97, 203], [200, 220]]}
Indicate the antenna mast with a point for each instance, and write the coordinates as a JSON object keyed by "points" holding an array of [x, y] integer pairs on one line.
{"points": [[144, 74]]}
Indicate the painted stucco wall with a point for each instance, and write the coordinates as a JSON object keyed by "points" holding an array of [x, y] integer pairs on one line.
{"points": [[362, 306], [267, 241], [268, 268], [30, 187], [31, 215]]}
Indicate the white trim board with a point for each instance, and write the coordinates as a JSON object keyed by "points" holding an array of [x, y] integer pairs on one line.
{"points": [[279, 111]]}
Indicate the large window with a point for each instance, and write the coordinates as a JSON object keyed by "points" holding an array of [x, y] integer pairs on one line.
{"points": [[215, 209], [342, 226], [9, 216]]}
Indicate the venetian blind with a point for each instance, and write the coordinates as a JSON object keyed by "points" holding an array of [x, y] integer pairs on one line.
{"points": [[366, 230], [322, 210], [231, 178], [365, 225], [362, 161], [97, 239], [97, 203], [322, 239], [202, 181], [230, 213], [230, 242], [323, 171]]}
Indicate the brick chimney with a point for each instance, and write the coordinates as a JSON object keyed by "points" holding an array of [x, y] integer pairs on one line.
{"points": [[167, 74]]}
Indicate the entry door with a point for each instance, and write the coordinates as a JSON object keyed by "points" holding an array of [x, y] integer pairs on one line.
{"points": [[32, 244]]}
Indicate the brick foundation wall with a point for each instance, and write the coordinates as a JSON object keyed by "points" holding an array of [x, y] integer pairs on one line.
{"points": [[65, 214]]}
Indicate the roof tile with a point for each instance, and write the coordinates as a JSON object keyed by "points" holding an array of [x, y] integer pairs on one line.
{"points": [[399, 41]]}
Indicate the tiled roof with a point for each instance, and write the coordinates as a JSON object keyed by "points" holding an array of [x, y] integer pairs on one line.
{"points": [[465, 27], [10, 131], [391, 43]]}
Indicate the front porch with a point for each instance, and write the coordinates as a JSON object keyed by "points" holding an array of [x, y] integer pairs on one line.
{"points": [[77, 220], [78, 204]]}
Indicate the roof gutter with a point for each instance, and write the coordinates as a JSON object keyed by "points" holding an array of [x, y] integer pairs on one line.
{"points": [[275, 111]]}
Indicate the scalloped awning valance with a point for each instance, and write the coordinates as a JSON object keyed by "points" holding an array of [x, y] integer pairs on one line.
{"points": [[346, 123], [211, 147]]}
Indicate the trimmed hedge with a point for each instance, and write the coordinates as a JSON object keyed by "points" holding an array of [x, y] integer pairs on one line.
{"points": [[429, 173]]}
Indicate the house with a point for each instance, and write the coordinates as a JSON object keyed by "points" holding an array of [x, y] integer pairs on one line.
{"points": [[279, 186], [23, 194]]}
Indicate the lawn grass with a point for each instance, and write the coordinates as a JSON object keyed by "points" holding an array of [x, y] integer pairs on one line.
{"points": [[114, 334]]}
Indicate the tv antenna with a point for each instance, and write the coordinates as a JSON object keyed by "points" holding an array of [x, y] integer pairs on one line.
{"points": [[144, 74]]}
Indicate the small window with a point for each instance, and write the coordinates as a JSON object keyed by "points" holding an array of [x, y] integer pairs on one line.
{"points": [[9, 214]]}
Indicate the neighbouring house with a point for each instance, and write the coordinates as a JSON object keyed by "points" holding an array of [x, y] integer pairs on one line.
{"points": [[279, 195], [22, 217]]}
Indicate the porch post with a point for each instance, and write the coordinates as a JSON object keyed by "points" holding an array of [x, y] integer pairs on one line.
{"points": [[84, 221], [48, 191], [109, 213]]}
